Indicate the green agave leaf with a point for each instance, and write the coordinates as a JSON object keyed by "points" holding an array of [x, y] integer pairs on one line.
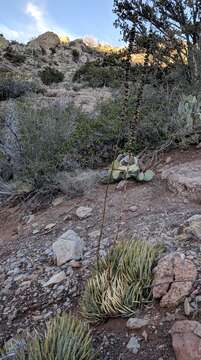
{"points": [[133, 168], [140, 176], [116, 174], [149, 175], [115, 165]]}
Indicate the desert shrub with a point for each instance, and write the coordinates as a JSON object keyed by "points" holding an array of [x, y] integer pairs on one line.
{"points": [[14, 57], [77, 182], [50, 75], [42, 137], [95, 75], [121, 282], [94, 136], [11, 87], [75, 55], [65, 338]]}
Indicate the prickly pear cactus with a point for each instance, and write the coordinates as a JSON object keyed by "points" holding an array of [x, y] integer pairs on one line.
{"points": [[189, 112]]}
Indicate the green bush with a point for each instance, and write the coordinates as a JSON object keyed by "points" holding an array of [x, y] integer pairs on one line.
{"points": [[94, 137], [50, 75], [40, 140], [95, 75]]}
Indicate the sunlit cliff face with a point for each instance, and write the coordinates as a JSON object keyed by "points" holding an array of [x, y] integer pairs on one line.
{"points": [[64, 39]]}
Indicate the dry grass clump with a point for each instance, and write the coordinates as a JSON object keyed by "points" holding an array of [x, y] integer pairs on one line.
{"points": [[121, 282]]}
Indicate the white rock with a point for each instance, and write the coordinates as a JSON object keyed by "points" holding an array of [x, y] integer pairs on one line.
{"points": [[135, 323], [50, 226], [94, 234], [69, 246], [133, 345], [58, 201], [83, 212], [56, 279], [133, 208]]}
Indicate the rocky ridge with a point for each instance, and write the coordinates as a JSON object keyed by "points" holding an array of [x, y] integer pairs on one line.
{"points": [[26, 62]]}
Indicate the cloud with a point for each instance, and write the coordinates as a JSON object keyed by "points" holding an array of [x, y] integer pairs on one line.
{"points": [[38, 16], [39, 21], [9, 33], [43, 22]]}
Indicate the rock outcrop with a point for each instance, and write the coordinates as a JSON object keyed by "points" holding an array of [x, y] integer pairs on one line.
{"points": [[173, 279], [48, 40], [3, 42], [185, 178], [191, 229], [186, 340]]}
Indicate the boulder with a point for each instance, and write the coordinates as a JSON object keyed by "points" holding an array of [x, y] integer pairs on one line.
{"points": [[191, 229], [48, 40], [186, 340], [3, 43], [83, 212], [69, 246], [184, 178], [173, 279]]}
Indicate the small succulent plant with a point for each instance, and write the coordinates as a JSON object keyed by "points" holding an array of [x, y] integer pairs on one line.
{"points": [[120, 282], [65, 338], [127, 167]]}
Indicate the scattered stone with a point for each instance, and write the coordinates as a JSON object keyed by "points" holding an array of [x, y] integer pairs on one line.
{"points": [[58, 201], [133, 345], [75, 264], [187, 307], [145, 335], [56, 279], [83, 212], [173, 279], [35, 231], [186, 340], [50, 226], [121, 185], [94, 234], [133, 208], [69, 246], [191, 229], [135, 323], [168, 160]]}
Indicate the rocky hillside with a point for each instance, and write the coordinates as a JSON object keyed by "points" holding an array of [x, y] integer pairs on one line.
{"points": [[47, 56]]}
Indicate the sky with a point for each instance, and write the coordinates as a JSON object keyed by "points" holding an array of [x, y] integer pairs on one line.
{"points": [[23, 20]]}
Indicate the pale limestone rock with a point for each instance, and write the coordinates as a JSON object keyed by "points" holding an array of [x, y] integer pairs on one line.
{"points": [[47, 40], [69, 246], [83, 212], [56, 279]]}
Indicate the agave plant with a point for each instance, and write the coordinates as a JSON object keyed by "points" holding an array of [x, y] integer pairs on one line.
{"points": [[121, 282], [64, 339], [127, 167]]}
